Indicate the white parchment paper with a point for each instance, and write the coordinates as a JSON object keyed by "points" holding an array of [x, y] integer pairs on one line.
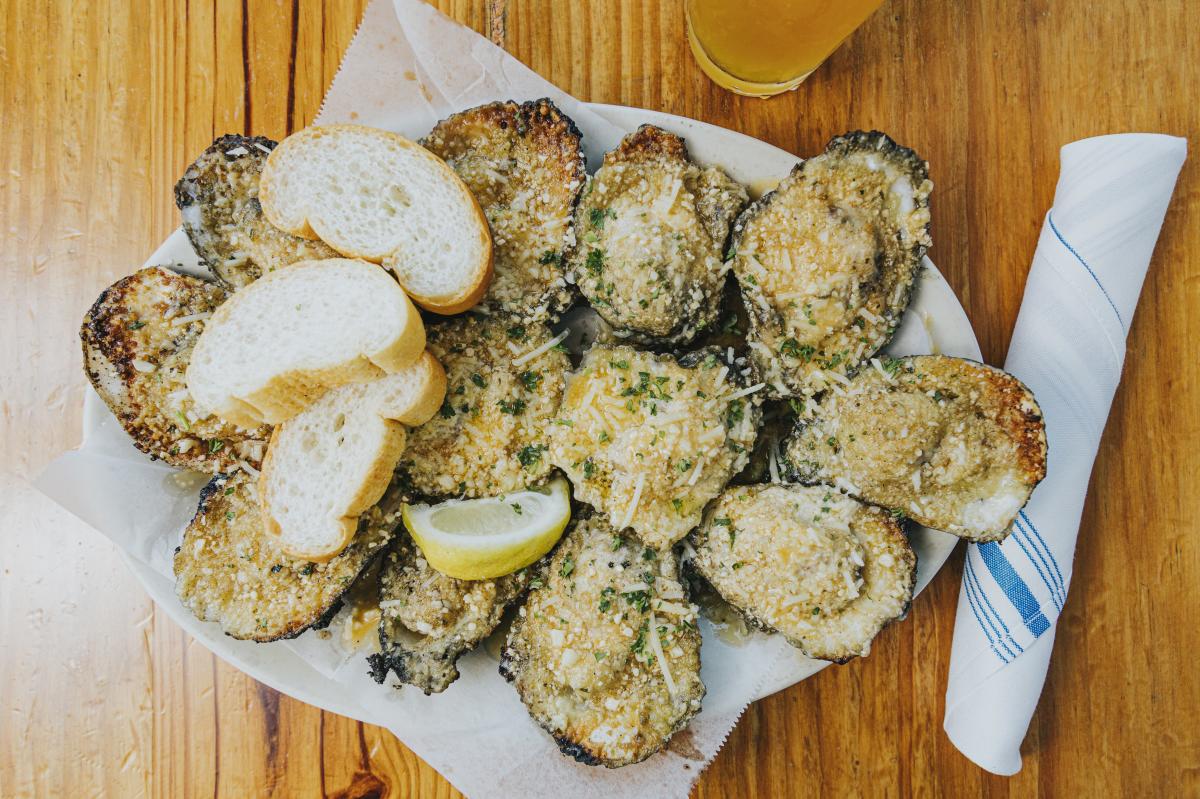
{"points": [[408, 67]]}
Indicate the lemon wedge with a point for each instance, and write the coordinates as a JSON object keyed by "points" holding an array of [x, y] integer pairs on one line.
{"points": [[477, 539]]}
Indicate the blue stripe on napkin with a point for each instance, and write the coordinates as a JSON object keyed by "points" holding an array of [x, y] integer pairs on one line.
{"points": [[1041, 558], [1078, 257], [1014, 587], [1003, 639], [1057, 575], [1018, 534]]}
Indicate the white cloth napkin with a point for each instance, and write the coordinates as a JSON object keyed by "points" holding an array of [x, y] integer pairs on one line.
{"points": [[1068, 347]]}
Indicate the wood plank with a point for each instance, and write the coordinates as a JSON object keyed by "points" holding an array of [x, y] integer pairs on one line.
{"points": [[106, 104]]}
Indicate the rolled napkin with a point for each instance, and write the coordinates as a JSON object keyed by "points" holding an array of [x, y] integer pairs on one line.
{"points": [[1068, 347]]}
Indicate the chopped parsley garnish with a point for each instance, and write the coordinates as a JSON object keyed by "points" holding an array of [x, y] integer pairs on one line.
{"points": [[808, 314], [531, 455], [550, 257], [216, 445], [723, 521], [617, 541], [513, 407], [597, 216], [649, 554], [677, 504], [517, 509], [589, 469], [447, 410], [833, 444], [683, 465], [892, 365], [568, 566], [595, 262], [734, 413], [478, 380], [531, 380], [738, 565], [606, 599], [639, 643], [136, 325], [516, 332], [621, 364], [599, 656], [640, 600]]}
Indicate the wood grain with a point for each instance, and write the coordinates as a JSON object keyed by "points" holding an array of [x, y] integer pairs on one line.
{"points": [[104, 104]]}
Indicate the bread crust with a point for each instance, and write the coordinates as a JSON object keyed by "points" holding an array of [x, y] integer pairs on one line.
{"points": [[284, 394], [373, 398], [303, 224]]}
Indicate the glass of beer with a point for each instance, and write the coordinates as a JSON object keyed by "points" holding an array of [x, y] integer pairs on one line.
{"points": [[763, 47]]}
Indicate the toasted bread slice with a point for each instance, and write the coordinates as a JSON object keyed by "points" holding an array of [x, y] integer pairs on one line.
{"points": [[525, 166], [280, 343], [329, 463], [218, 200], [227, 571], [953, 444], [137, 341], [375, 195]]}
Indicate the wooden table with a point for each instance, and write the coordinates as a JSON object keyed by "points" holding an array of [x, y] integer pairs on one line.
{"points": [[104, 105]]}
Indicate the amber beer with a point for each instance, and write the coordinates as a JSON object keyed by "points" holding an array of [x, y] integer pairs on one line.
{"points": [[764, 47]]}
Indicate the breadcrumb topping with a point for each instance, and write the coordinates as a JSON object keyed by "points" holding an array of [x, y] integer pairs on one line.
{"points": [[649, 442], [504, 383], [952, 444], [606, 652], [810, 562]]}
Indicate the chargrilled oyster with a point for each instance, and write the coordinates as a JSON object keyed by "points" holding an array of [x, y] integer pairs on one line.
{"points": [[228, 571], [504, 382], [524, 164], [650, 234], [429, 620], [951, 443], [826, 261], [218, 200], [648, 440], [605, 653], [137, 340], [811, 563]]}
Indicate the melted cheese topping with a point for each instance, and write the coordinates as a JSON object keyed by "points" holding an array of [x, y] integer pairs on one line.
{"points": [[139, 342], [227, 571], [504, 382], [826, 265], [650, 442], [606, 653], [812, 563], [649, 241], [952, 444]]}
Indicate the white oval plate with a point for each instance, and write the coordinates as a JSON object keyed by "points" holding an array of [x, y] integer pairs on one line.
{"points": [[935, 322]]}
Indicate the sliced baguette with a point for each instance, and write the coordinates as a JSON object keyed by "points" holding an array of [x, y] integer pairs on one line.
{"points": [[328, 464], [276, 346], [372, 194]]}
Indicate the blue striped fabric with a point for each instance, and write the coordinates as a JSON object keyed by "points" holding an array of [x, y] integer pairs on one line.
{"points": [[1015, 589], [1079, 258]]}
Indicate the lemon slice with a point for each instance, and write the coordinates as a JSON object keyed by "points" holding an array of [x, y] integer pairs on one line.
{"points": [[476, 539]]}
